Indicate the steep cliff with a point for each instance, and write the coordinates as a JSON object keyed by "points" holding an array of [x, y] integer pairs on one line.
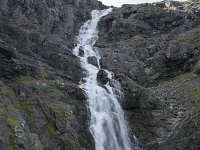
{"points": [[41, 105], [154, 51]]}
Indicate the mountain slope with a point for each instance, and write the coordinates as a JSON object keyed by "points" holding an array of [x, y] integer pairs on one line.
{"points": [[154, 51], [40, 103]]}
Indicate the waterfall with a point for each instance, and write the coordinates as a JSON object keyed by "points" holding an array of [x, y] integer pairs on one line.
{"points": [[107, 122]]}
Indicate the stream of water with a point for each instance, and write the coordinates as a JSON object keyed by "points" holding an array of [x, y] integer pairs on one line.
{"points": [[107, 122]]}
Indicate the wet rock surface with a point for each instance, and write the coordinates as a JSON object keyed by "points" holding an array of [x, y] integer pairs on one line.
{"points": [[102, 77], [93, 60], [153, 49]]}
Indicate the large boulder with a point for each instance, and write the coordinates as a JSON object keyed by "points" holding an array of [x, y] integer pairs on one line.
{"points": [[93, 60], [102, 77]]}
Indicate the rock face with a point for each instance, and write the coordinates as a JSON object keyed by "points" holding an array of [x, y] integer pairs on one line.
{"points": [[153, 49], [93, 60], [41, 105], [102, 77]]}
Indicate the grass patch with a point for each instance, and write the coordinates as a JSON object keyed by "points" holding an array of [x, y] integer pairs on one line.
{"points": [[196, 91], [183, 140], [69, 144], [197, 6], [32, 147], [60, 108], [26, 80], [8, 110], [183, 77], [7, 91], [12, 139], [193, 39], [12, 121], [52, 130], [43, 76]]}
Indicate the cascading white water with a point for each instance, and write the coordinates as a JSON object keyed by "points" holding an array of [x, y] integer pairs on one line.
{"points": [[108, 125]]}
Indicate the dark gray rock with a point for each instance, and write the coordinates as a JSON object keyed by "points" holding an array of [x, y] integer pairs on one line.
{"points": [[153, 49], [22, 139], [197, 68], [102, 77], [81, 51], [35, 141], [40, 76], [93, 60]]}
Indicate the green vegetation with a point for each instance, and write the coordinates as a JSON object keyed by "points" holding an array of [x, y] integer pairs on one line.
{"points": [[10, 113], [43, 76], [26, 80], [60, 108], [6, 91], [196, 6], [32, 147], [183, 139], [183, 77], [193, 39], [12, 121], [8, 110], [196, 92], [12, 139], [35, 98], [52, 130], [69, 144], [195, 0], [180, 78]]}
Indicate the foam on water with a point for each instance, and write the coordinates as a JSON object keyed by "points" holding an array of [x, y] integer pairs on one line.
{"points": [[107, 122]]}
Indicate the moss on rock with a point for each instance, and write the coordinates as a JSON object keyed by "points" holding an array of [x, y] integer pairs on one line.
{"points": [[60, 108], [183, 77], [193, 39]]}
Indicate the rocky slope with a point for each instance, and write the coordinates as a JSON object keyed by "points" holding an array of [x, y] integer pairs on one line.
{"points": [[154, 51], [41, 105]]}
